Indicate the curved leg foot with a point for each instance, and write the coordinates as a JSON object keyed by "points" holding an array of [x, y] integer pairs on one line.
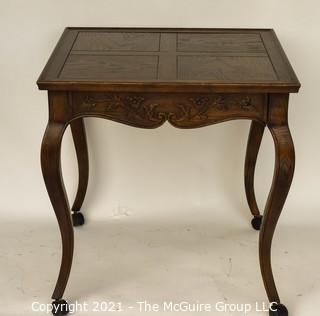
{"points": [[51, 169], [256, 222], [283, 174], [77, 219], [278, 310], [253, 145], [80, 143], [60, 307]]}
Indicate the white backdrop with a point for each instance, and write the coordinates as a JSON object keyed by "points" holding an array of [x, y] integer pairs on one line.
{"points": [[166, 171]]}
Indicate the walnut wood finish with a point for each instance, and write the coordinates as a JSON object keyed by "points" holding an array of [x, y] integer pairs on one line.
{"points": [[188, 77], [283, 174], [169, 60], [149, 110], [51, 169], [80, 142], [254, 142]]}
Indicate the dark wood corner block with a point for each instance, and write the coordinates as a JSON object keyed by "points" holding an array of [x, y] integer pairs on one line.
{"points": [[188, 77]]}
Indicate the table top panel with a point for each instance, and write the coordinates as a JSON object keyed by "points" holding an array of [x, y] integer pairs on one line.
{"points": [[230, 60]]}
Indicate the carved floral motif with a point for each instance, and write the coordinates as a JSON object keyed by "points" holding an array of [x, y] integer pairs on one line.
{"points": [[109, 102], [246, 104], [153, 110]]}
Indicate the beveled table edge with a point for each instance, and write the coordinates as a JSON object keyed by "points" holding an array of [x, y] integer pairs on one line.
{"points": [[176, 86]]}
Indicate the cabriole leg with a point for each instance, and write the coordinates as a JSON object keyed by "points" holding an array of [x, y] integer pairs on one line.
{"points": [[254, 142], [283, 174], [51, 169], [80, 143]]}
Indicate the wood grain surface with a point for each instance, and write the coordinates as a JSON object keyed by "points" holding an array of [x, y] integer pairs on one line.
{"points": [[204, 60]]}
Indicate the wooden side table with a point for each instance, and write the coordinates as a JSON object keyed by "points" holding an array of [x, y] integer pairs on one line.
{"points": [[188, 77]]}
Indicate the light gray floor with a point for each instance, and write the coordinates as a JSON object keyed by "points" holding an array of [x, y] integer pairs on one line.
{"points": [[205, 259]]}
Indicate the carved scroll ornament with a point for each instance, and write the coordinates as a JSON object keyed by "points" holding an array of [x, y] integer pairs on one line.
{"points": [[181, 110]]}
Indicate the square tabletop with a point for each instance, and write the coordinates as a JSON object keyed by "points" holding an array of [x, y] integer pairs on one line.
{"points": [[140, 59]]}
